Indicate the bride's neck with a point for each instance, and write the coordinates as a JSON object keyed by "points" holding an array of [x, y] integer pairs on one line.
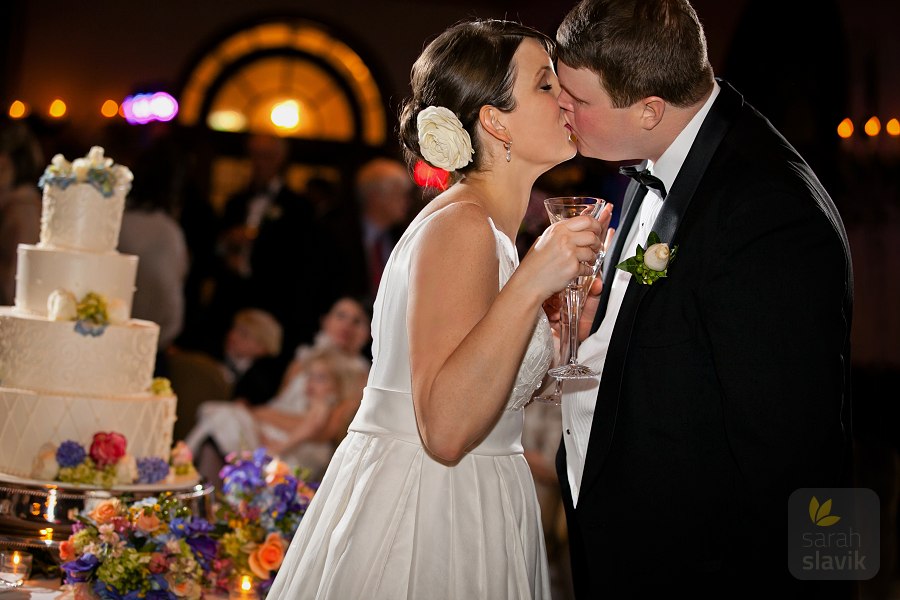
{"points": [[504, 193]]}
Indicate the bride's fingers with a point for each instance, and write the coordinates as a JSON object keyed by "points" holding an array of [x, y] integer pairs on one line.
{"points": [[609, 236]]}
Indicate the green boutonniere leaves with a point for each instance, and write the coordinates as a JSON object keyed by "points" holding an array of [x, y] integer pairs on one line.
{"points": [[650, 264]]}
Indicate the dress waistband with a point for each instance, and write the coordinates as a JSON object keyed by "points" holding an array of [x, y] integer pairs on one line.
{"points": [[390, 413]]}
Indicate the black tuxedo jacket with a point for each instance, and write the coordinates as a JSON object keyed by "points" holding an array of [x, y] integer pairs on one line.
{"points": [[288, 274], [725, 386]]}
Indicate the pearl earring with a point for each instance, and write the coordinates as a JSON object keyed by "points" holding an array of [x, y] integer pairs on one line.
{"points": [[508, 146]]}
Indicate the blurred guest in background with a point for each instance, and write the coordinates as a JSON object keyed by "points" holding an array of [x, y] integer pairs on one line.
{"points": [[21, 161], [250, 360], [151, 233], [362, 238], [266, 248], [308, 416]]}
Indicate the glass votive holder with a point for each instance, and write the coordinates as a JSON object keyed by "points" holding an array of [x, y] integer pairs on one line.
{"points": [[15, 567], [243, 588]]}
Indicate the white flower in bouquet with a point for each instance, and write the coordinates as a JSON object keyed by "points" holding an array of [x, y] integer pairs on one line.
{"points": [[62, 305], [443, 141], [44, 467]]}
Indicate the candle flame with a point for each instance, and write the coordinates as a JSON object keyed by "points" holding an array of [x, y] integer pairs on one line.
{"points": [[16, 558], [245, 583]]}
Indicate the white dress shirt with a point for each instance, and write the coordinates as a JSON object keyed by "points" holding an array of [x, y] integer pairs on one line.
{"points": [[580, 395]]}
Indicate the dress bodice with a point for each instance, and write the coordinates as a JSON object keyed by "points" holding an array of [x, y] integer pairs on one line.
{"points": [[387, 402]]}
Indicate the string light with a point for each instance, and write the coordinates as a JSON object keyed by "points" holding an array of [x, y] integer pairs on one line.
{"points": [[873, 126], [109, 109], [57, 109], [845, 128], [17, 109]]}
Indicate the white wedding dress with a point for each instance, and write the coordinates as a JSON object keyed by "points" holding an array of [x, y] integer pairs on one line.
{"points": [[390, 522]]}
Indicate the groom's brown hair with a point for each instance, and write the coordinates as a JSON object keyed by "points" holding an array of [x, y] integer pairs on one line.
{"points": [[638, 48]]}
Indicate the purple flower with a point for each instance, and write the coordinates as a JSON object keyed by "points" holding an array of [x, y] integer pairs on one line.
{"points": [[152, 469], [80, 570], [198, 525], [204, 548], [70, 454], [242, 477], [178, 527]]}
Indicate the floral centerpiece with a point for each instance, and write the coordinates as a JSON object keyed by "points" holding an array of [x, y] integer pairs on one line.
{"points": [[263, 501], [152, 549], [155, 549]]}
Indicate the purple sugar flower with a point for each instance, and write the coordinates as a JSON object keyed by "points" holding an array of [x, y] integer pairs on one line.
{"points": [[152, 469], [70, 454]]}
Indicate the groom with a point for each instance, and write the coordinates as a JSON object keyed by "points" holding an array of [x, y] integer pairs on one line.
{"points": [[724, 384]]}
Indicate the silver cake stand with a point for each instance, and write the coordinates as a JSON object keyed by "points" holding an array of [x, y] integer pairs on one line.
{"points": [[40, 515]]}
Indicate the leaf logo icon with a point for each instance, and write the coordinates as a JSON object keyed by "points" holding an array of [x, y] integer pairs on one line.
{"points": [[821, 514]]}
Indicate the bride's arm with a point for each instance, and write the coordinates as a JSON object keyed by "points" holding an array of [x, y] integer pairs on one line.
{"points": [[467, 340]]}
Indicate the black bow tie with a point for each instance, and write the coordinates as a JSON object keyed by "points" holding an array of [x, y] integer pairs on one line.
{"points": [[644, 177]]}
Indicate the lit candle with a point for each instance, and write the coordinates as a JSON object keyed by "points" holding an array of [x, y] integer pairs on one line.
{"points": [[14, 567], [243, 588]]}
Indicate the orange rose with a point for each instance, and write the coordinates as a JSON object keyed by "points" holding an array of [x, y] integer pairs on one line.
{"points": [[147, 522], [267, 556], [105, 512], [67, 550]]}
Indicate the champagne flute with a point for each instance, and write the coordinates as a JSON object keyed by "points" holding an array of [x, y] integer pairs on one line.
{"points": [[576, 291]]}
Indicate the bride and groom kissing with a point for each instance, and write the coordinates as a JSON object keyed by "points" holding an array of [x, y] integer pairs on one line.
{"points": [[723, 384]]}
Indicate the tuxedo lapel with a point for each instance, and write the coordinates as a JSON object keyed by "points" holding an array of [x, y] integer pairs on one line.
{"points": [[722, 114]]}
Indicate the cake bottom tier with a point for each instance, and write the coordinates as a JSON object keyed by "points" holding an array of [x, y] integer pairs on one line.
{"points": [[29, 419]]}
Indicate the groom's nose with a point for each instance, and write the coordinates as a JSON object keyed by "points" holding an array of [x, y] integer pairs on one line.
{"points": [[565, 101]]}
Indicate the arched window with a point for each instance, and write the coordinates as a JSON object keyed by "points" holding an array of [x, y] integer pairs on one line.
{"points": [[286, 77]]}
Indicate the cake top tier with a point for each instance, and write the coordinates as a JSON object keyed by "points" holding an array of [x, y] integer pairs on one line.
{"points": [[94, 169], [83, 203]]}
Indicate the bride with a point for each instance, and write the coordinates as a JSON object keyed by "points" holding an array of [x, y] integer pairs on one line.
{"points": [[429, 495]]}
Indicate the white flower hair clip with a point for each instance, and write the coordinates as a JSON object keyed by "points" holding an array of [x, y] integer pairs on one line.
{"points": [[443, 141]]}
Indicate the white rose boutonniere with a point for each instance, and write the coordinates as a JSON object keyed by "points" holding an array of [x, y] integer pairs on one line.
{"points": [[443, 140], [650, 264]]}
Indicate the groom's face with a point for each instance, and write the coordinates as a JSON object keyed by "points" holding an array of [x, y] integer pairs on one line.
{"points": [[601, 130]]}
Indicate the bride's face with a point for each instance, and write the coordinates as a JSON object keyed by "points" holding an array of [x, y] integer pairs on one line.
{"points": [[537, 126]]}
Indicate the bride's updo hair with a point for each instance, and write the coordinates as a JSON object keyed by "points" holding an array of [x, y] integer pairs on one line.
{"points": [[464, 68]]}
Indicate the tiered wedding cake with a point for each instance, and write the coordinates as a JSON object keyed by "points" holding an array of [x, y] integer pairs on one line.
{"points": [[72, 361]]}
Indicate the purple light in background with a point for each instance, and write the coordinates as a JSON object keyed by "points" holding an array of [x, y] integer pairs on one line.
{"points": [[141, 109]]}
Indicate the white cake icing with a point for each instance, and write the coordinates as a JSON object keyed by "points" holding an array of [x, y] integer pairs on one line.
{"points": [[32, 419], [81, 218], [51, 356], [90, 369], [40, 271]]}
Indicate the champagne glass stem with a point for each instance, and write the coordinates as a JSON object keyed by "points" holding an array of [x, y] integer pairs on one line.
{"points": [[573, 306]]}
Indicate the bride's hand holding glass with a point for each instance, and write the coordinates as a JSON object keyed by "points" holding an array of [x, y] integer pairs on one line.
{"points": [[566, 250]]}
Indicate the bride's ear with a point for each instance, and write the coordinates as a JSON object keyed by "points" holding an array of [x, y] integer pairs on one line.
{"points": [[491, 120]]}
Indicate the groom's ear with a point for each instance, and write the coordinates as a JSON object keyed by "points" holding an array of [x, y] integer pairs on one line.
{"points": [[492, 121], [652, 110]]}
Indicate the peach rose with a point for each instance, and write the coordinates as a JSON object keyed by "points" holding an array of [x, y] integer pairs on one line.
{"points": [[105, 512], [67, 550], [147, 522], [276, 471], [267, 556]]}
